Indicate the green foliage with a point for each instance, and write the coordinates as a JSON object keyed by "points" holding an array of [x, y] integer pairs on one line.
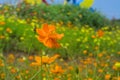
{"points": [[21, 38], [67, 15], [115, 22], [75, 41]]}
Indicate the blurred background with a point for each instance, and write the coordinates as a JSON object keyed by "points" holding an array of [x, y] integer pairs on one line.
{"points": [[109, 8]]}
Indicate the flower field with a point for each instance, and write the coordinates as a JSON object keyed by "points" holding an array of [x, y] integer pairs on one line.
{"points": [[40, 49]]}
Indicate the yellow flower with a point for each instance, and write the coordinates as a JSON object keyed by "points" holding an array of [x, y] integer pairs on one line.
{"points": [[117, 64], [85, 52]]}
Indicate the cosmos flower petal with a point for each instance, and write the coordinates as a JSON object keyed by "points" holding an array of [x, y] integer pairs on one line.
{"points": [[41, 32], [45, 28], [38, 59], [57, 36]]}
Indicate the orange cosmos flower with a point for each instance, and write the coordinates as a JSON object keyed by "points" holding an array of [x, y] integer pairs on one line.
{"points": [[8, 30], [57, 70], [2, 23], [17, 77], [1, 63], [2, 76], [90, 79], [44, 60], [93, 36], [10, 58], [30, 57], [100, 33], [107, 77], [56, 79], [100, 70], [2, 37], [48, 36], [13, 70], [21, 59]]}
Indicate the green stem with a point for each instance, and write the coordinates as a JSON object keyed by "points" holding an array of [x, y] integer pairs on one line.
{"points": [[118, 75], [5, 69], [35, 74], [97, 59], [48, 72]]}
